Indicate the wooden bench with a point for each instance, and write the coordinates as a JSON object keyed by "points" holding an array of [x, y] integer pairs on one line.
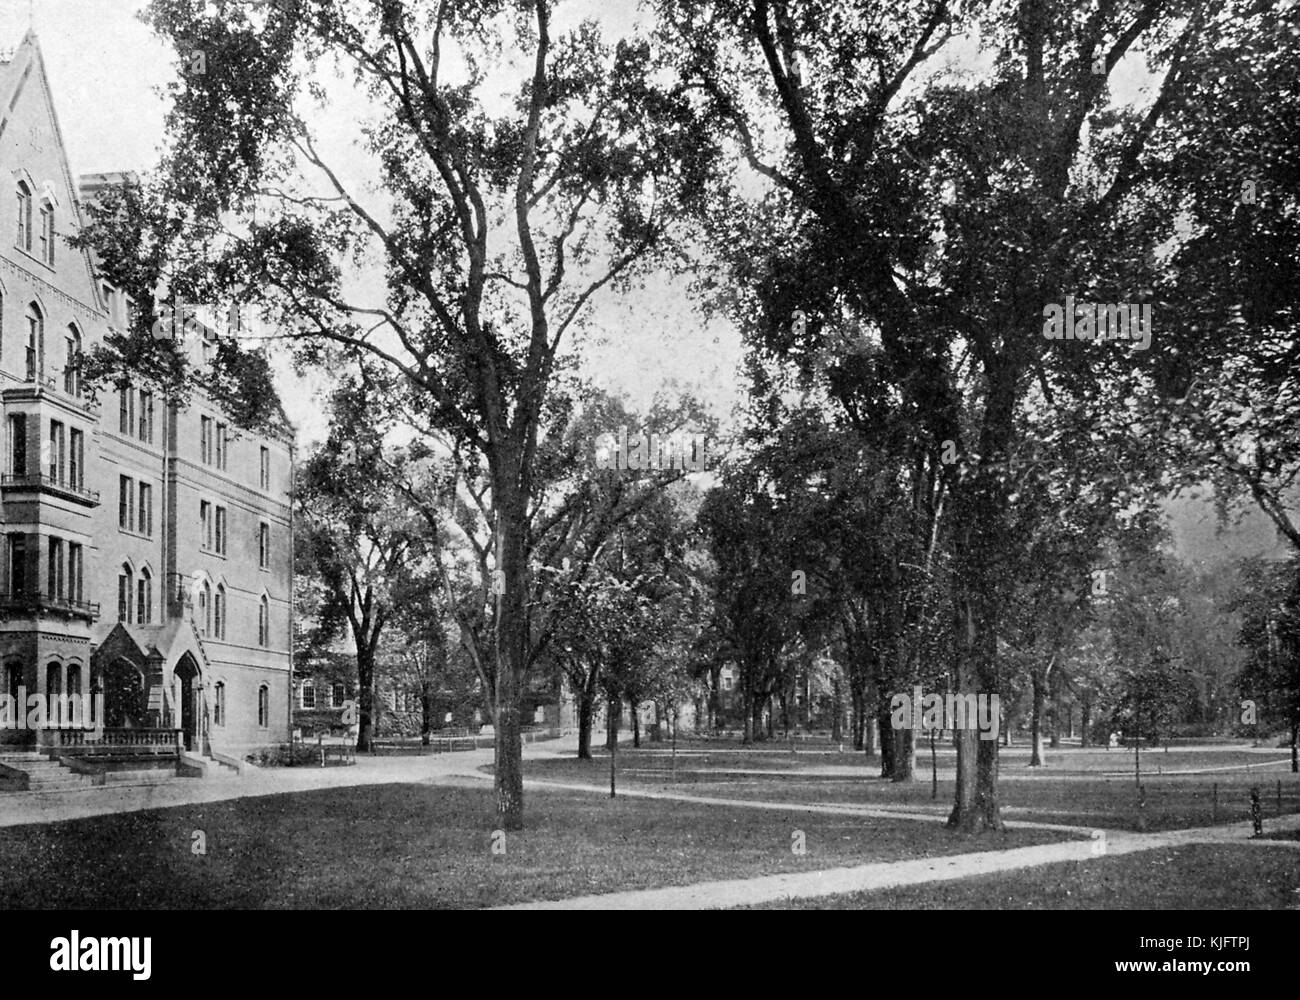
{"points": [[342, 753]]}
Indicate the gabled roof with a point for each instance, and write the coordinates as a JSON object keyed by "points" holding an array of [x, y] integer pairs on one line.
{"points": [[16, 73]]}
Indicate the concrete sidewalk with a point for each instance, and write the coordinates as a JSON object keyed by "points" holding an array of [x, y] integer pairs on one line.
{"points": [[21, 808]]}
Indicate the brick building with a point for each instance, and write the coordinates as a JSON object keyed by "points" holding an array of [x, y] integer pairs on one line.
{"points": [[147, 548]]}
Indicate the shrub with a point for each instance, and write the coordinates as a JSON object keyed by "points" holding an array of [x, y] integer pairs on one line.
{"points": [[285, 755]]}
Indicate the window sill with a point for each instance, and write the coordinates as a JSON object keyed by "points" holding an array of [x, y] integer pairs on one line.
{"points": [[33, 257]]}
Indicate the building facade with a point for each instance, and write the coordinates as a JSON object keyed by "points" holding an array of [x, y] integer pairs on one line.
{"points": [[147, 547]]}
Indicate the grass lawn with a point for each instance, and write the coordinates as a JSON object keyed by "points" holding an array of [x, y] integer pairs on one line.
{"points": [[1200, 876], [397, 846], [1063, 794]]}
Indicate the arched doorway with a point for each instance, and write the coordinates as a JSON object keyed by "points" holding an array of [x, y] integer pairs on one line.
{"points": [[187, 672]]}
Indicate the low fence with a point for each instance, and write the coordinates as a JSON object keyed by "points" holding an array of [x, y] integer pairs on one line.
{"points": [[455, 741], [1190, 801]]}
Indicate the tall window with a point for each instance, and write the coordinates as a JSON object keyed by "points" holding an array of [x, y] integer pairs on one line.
{"points": [[205, 440], [144, 598], [221, 531], [54, 583], [146, 509], [72, 366], [110, 303], [53, 689], [24, 216], [57, 453], [263, 706], [125, 503], [264, 545], [338, 695], [221, 446], [17, 564], [74, 571], [266, 467], [35, 338], [219, 613], [146, 416], [18, 444], [76, 459], [263, 623], [219, 703], [47, 233], [124, 580], [308, 695], [125, 409], [205, 524], [205, 609]]}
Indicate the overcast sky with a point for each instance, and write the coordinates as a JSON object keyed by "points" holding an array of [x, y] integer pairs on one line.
{"points": [[106, 68]]}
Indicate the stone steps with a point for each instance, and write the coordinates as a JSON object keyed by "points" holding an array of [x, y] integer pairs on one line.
{"points": [[66, 782], [43, 774]]}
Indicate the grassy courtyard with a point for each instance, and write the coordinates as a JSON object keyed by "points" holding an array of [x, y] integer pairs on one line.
{"points": [[424, 846]]}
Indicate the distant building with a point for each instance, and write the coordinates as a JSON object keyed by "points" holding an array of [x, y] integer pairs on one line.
{"points": [[146, 547]]}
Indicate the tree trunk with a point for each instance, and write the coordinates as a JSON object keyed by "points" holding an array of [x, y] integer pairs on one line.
{"points": [[512, 638], [636, 725], [615, 722], [1085, 718], [859, 717], [837, 703], [586, 710], [904, 755], [365, 695], [1036, 755], [748, 704], [508, 776], [715, 697], [886, 738], [975, 801], [1056, 709], [426, 714]]}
